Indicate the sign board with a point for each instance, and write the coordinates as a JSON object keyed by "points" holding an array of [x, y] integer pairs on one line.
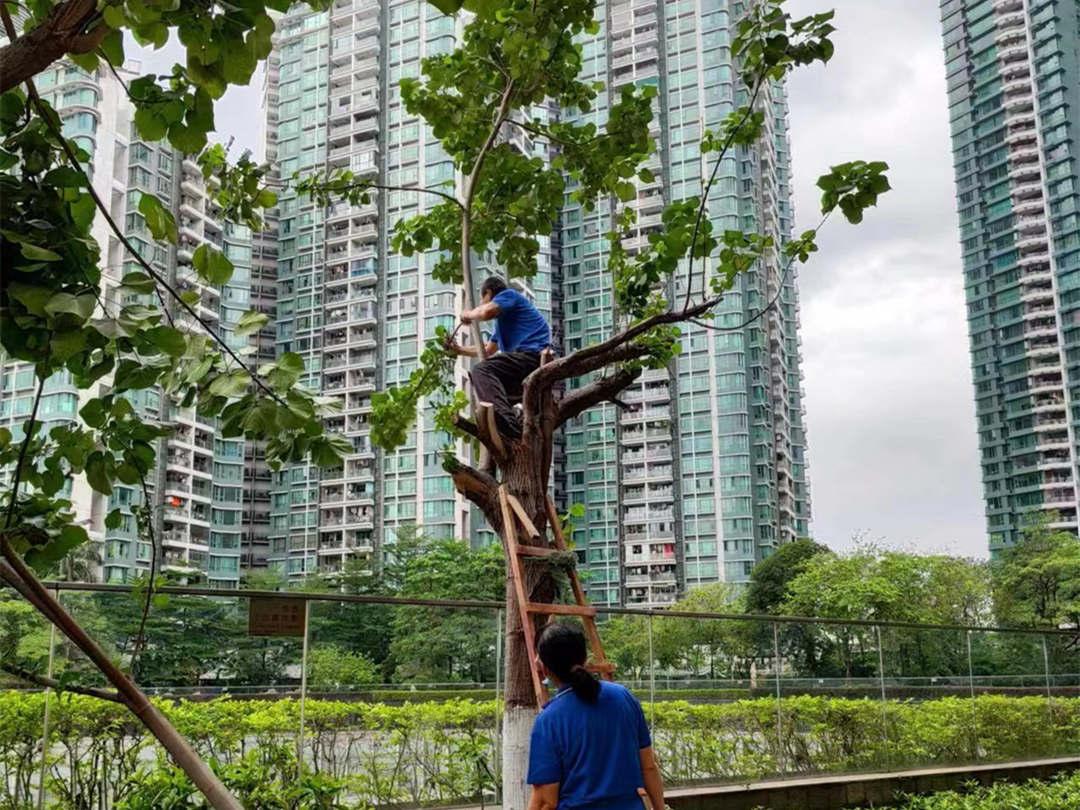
{"points": [[270, 616]]}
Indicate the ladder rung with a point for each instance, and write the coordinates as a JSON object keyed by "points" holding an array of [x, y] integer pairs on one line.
{"points": [[562, 610], [601, 667], [536, 551]]}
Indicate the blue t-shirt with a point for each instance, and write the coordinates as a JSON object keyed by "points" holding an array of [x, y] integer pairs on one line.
{"points": [[591, 750], [519, 327]]}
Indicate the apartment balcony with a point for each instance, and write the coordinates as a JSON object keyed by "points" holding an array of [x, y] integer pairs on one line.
{"points": [[1024, 172], [1011, 31], [1031, 226], [1017, 88], [1021, 136], [1013, 52], [1032, 243], [1027, 189], [1030, 208], [1005, 6], [1024, 153]]}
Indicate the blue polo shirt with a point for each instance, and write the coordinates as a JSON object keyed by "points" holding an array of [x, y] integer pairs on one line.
{"points": [[519, 327], [591, 750]]}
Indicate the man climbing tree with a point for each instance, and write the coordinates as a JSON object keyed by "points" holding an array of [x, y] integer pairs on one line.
{"points": [[521, 333]]}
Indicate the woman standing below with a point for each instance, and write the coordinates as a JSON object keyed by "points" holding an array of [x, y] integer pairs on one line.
{"points": [[590, 746]]}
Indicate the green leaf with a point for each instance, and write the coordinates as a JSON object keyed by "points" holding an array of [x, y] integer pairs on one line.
{"points": [[112, 47], [250, 322], [161, 223], [230, 385], [448, 6], [169, 340], [98, 474], [139, 283], [81, 306], [212, 265], [149, 124], [114, 519], [93, 413], [39, 254], [31, 297], [43, 558]]}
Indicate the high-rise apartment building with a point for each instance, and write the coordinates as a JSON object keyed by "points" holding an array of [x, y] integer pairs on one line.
{"points": [[1013, 73], [205, 489], [705, 473]]}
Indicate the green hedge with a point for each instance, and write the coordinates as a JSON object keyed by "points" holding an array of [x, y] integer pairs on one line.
{"points": [[1061, 793], [442, 752]]}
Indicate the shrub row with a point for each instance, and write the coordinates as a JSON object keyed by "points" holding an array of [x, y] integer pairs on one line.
{"points": [[1057, 794], [444, 751]]}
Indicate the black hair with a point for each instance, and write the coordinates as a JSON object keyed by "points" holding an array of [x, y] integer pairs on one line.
{"points": [[563, 650], [493, 285]]}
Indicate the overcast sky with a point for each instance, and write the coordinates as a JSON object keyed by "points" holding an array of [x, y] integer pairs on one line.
{"points": [[890, 410], [889, 398]]}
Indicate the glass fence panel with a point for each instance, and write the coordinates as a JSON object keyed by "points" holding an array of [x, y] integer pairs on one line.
{"points": [[927, 687]]}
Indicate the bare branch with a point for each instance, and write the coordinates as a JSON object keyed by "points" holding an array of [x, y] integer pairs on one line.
{"points": [[603, 390], [708, 187], [64, 31], [51, 683], [466, 425], [28, 435], [466, 210]]}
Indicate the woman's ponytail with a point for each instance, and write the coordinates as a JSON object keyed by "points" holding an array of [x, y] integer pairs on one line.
{"points": [[563, 650], [583, 683]]}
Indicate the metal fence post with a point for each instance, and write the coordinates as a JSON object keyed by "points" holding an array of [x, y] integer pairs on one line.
{"points": [[881, 681], [1046, 670], [652, 677], [971, 692], [45, 716], [780, 758], [303, 690]]}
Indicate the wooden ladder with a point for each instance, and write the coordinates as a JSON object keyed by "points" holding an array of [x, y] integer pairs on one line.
{"points": [[515, 517]]}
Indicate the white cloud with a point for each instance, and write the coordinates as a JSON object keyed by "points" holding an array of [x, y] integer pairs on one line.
{"points": [[890, 407]]}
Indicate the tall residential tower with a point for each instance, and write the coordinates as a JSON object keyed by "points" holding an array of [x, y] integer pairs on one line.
{"points": [[1013, 72]]}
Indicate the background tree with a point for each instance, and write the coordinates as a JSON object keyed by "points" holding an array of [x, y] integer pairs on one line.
{"points": [[1037, 581], [869, 584], [331, 667], [770, 578]]}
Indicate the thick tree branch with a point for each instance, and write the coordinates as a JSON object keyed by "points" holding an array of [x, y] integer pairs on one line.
{"points": [[51, 683], [603, 390], [478, 487], [615, 349], [63, 32]]}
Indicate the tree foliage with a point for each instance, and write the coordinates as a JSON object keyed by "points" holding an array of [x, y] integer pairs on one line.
{"points": [[1037, 581], [771, 577]]}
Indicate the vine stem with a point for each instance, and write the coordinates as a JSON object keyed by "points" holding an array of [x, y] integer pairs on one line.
{"points": [[28, 434]]}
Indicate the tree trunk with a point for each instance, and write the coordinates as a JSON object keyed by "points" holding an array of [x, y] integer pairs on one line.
{"points": [[523, 476]]}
